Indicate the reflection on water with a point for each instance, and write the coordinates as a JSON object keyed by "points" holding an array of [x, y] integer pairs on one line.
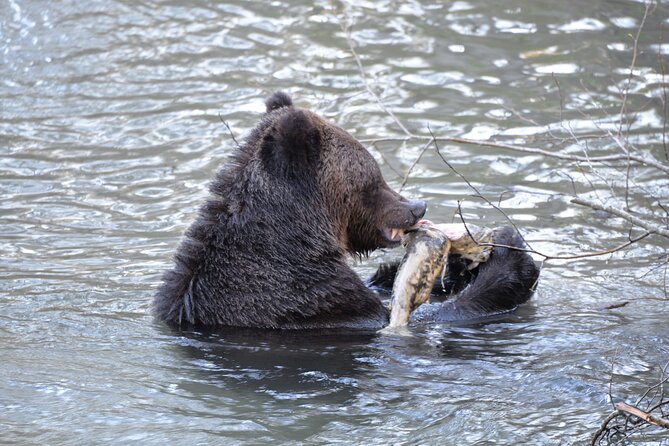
{"points": [[110, 128]]}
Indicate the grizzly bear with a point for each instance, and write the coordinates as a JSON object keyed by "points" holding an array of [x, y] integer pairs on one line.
{"points": [[268, 249]]}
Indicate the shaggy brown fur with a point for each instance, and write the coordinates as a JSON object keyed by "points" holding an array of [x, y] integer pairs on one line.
{"points": [[268, 248]]}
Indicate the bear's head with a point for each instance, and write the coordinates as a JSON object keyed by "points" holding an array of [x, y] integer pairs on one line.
{"points": [[316, 155]]}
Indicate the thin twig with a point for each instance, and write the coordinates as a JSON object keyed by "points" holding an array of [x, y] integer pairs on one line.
{"points": [[229, 130], [532, 150], [346, 28], [613, 363], [664, 93], [666, 267], [604, 427], [635, 52], [577, 140], [529, 247], [385, 160], [663, 380], [474, 188], [631, 241], [624, 215], [413, 165], [634, 418]]}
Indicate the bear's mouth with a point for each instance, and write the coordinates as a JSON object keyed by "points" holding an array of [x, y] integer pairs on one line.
{"points": [[393, 236]]}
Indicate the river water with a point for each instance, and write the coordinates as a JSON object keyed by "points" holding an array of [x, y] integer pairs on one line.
{"points": [[110, 129]]}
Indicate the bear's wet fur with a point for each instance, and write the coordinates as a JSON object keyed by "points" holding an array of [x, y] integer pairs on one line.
{"points": [[268, 248]]}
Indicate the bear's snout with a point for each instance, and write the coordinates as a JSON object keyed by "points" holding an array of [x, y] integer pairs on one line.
{"points": [[417, 208], [402, 217]]}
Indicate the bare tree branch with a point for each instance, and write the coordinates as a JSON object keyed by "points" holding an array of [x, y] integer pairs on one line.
{"points": [[643, 160], [631, 241], [645, 416], [653, 229], [529, 249], [626, 419]]}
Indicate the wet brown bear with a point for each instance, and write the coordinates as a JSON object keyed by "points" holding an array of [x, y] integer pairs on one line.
{"points": [[268, 248]]}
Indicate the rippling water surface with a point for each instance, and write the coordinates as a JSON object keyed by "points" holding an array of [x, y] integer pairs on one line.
{"points": [[110, 128]]}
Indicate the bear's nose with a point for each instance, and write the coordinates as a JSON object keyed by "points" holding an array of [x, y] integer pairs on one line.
{"points": [[417, 208]]}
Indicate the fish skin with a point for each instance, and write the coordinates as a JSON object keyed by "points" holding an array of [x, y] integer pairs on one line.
{"points": [[427, 253]]}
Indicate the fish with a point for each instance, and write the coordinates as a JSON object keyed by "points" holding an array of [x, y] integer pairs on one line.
{"points": [[426, 258], [474, 243]]}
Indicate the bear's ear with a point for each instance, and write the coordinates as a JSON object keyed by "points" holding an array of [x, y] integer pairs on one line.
{"points": [[292, 145], [277, 100]]}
